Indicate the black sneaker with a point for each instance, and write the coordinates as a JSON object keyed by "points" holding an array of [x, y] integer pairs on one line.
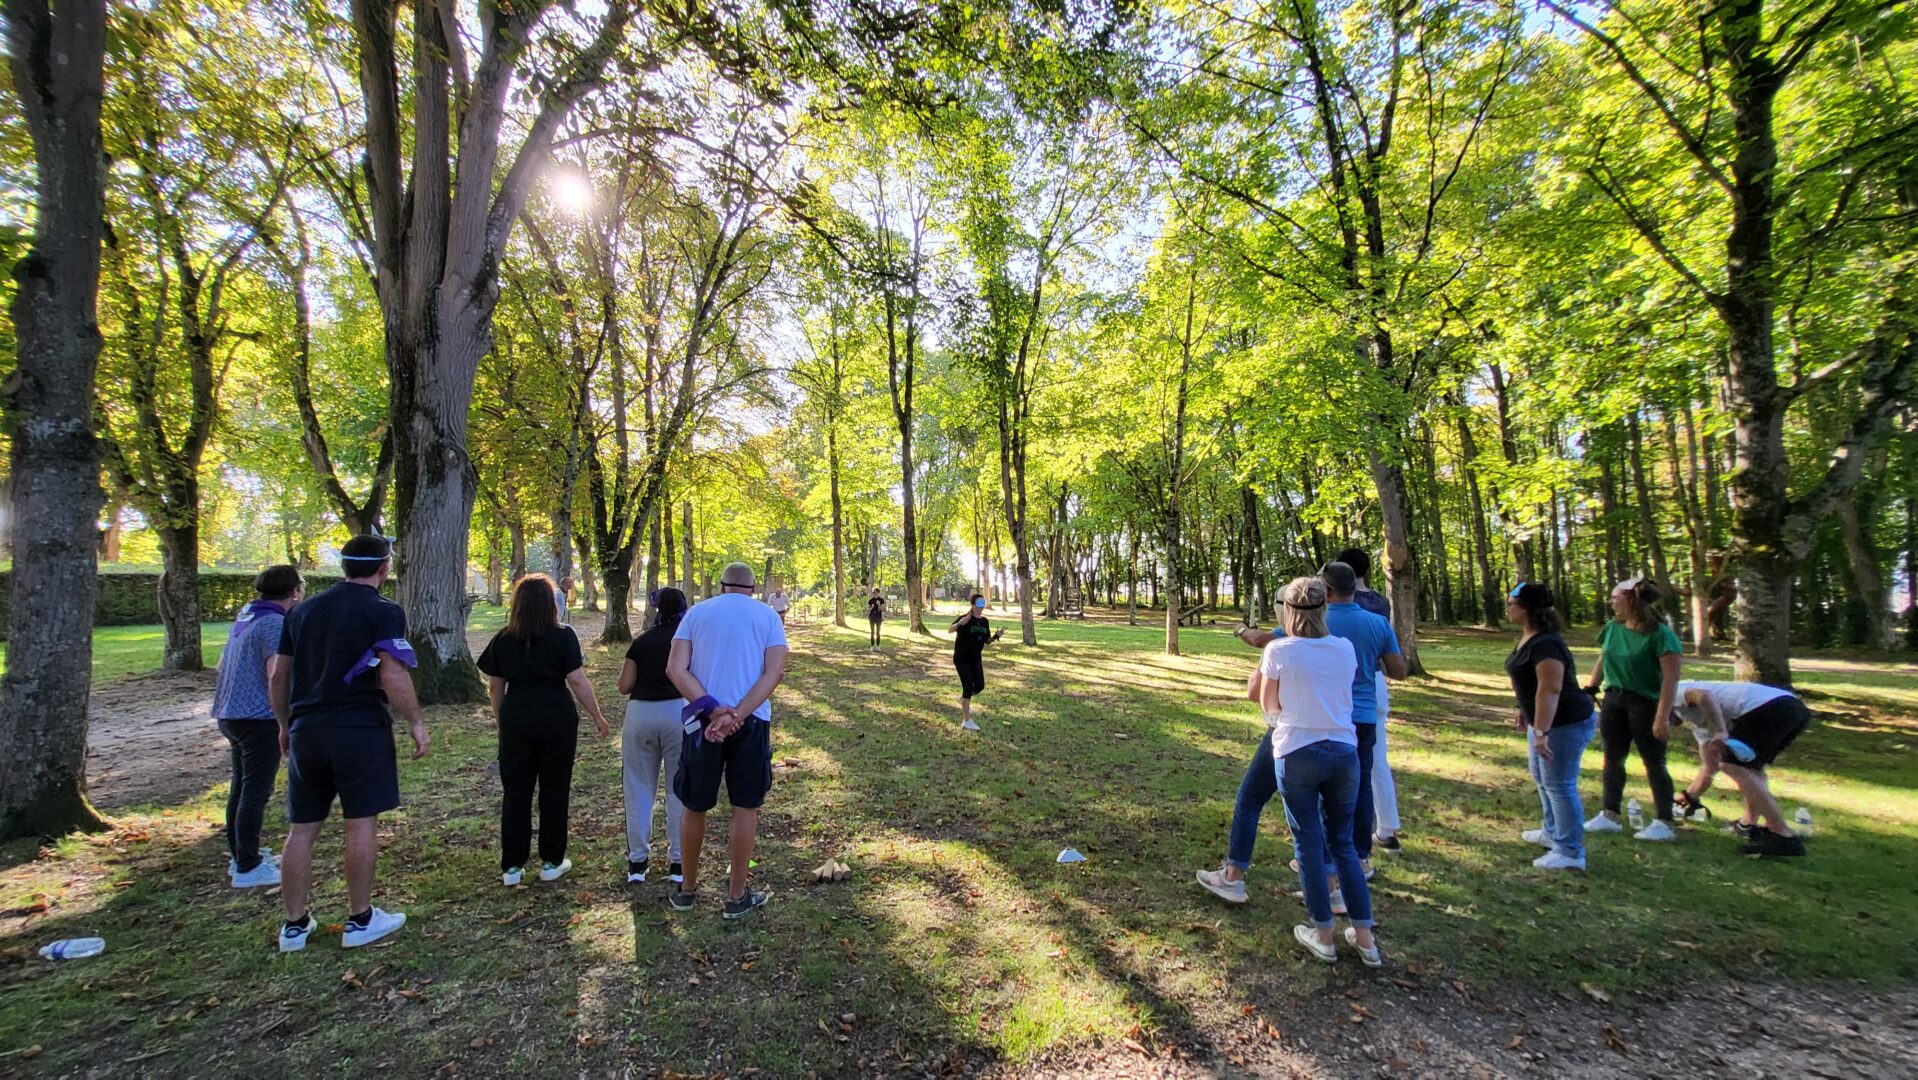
{"points": [[674, 874], [1744, 829], [1766, 842], [635, 871], [1388, 843], [682, 901], [736, 909]]}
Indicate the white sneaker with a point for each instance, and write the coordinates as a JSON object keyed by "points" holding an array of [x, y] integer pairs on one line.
{"points": [[1603, 822], [549, 872], [266, 855], [1216, 883], [511, 877], [1536, 836], [1657, 830], [969, 725], [1309, 938], [380, 924], [1365, 865], [1552, 860], [293, 938], [267, 873], [1371, 957]]}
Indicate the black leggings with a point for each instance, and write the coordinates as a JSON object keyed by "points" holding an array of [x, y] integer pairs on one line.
{"points": [[972, 675], [535, 751], [874, 623], [1625, 720]]}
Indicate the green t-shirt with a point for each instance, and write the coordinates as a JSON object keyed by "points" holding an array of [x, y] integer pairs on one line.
{"points": [[1628, 659]]}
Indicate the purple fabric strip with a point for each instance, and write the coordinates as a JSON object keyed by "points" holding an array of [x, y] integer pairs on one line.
{"points": [[694, 708], [253, 610], [397, 648]]}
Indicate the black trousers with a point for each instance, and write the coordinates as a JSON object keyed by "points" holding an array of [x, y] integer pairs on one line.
{"points": [[1625, 721], [972, 675], [535, 752], [255, 746], [875, 624]]}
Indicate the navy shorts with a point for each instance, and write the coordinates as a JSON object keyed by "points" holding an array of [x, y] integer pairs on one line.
{"points": [[1769, 729], [744, 761], [356, 765]]}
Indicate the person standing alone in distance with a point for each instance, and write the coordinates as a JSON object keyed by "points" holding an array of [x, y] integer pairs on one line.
{"points": [[875, 614], [728, 654], [343, 664], [971, 633]]}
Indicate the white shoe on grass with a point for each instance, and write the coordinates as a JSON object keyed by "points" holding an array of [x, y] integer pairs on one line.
{"points": [[378, 925], [1372, 957], [1216, 883], [267, 873], [1536, 836], [549, 872], [1552, 860], [1309, 938], [1603, 822], [293, 938], [510, 878], [1657, 830], [969, 725]]}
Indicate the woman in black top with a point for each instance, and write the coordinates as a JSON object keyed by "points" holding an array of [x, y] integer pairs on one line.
{"points": [[971, 633], [650, 741], [531, 666], [1557, 719], [875, 614]]}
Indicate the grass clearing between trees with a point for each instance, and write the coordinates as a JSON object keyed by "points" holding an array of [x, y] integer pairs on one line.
{"points": [[958, 937]]}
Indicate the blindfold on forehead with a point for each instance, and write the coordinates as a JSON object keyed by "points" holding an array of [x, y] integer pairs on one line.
{"points": [[1628, 585]]}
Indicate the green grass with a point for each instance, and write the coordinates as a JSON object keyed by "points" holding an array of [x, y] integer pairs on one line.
{"points": [[120, 651], [958, 930]]}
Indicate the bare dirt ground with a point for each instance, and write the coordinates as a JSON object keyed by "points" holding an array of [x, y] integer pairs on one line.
{"points": [[151, 739]]}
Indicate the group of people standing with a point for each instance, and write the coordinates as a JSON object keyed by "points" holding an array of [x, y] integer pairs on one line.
{"points": [[1321, 684], [318, 681]]}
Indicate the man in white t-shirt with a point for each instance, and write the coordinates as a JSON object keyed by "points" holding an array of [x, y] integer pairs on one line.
{"points": [[780, 603], [1741, 727], [728, 654]]}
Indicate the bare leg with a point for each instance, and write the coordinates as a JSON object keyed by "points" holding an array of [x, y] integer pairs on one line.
{"points": [[692, 837], [740, 847], [362, 855], [1758, 797], [296, 869], [965, 709]]}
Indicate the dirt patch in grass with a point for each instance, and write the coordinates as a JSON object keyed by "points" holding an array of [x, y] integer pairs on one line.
{"points": [[151, 739]]}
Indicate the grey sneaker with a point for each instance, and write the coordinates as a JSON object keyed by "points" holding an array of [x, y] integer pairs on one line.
{"points": [[681, 901], [740, 908], [1216, 883]]}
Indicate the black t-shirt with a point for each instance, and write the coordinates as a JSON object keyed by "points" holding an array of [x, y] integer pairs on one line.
{"points": [[970, 639], [1522, 665], [324, 638], [538, 664], [649, 652], [876, 608]]}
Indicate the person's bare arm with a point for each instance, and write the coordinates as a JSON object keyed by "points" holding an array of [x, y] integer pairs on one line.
{"points": [[628, 676], [1268, 694], [1551, 683], [582, 688], [398, 684], [1394, 665], [279, 693], [1255, 687], [1668, 668], [495, 693], [1254, 636]]}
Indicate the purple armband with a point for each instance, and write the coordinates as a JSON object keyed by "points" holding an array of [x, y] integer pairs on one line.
{"points": [[398, 648]]}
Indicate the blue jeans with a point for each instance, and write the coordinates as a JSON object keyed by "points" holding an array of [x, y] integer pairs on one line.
{"points": [[1365, 813], [1321, 787], [1564, 814], [1260, 784]]}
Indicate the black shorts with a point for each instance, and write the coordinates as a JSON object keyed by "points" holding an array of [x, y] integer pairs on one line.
{"points": [[745, 761], [972, 675], [1769, 729], [356, 765]]}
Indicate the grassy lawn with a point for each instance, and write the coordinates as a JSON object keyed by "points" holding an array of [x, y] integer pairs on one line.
{"points": [[958, 932], [119, 651]]}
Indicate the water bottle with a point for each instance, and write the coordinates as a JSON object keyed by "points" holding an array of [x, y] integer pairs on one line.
{"points": [[74, 948], [1801, 821], [1635, 814]]}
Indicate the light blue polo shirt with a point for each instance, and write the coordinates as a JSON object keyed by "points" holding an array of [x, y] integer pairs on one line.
{"points": [[1372, 638]]}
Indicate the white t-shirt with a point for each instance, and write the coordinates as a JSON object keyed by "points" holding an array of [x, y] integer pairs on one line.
{"points": [[779, 602], [1734, 699], [730, 634], [1315, 691]]}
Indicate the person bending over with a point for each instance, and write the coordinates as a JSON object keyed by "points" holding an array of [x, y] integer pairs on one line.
{"points": [[1741, 728]]}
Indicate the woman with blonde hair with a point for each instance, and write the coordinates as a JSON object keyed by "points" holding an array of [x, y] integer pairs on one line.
{"points": [[531, 665]]}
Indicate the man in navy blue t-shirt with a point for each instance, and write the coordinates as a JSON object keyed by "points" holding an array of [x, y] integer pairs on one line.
{"points": [[344, 659]]}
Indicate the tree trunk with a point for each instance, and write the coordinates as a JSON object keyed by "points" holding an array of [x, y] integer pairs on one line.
{"points": [[1697, 530], [1401, 581], [179, 595], [516, 538], [667, 541], [1490, 605], [1856, 518], [1440, 556], [1647, 517], [686, 539], [588, 581], [838, 529], [54, 460], [619, 601], [1524, 547]]}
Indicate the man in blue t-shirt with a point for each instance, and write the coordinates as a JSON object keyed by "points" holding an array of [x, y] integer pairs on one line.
{"points": [[1377, 647], [343, 663], [1385, 795]]}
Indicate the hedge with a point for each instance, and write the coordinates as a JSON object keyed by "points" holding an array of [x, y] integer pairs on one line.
{"points": [[133, 599]]}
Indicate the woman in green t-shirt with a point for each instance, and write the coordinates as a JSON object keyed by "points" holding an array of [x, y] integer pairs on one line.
{"points": [[1639, 667]]}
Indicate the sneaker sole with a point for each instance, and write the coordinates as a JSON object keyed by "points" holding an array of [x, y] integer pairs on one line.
{"points": [[299, 945], [347, 943]]}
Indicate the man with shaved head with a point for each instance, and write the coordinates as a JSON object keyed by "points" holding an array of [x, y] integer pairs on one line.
{"points": [[728, 654]]}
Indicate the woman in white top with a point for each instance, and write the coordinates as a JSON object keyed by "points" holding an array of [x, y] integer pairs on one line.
{"points": [[1306, 693], [1741, 727]]}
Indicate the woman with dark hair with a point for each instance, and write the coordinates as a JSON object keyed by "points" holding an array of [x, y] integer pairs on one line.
{"points": [[531, 665], [1556, 717], [650, 740], [1639, 667], [971, 633], [242, 708]]}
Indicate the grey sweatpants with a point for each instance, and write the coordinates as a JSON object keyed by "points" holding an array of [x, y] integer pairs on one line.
{"points": [[649, 743]]}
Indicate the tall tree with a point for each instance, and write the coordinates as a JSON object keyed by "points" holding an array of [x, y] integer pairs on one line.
{"points": [[55, 54]]}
